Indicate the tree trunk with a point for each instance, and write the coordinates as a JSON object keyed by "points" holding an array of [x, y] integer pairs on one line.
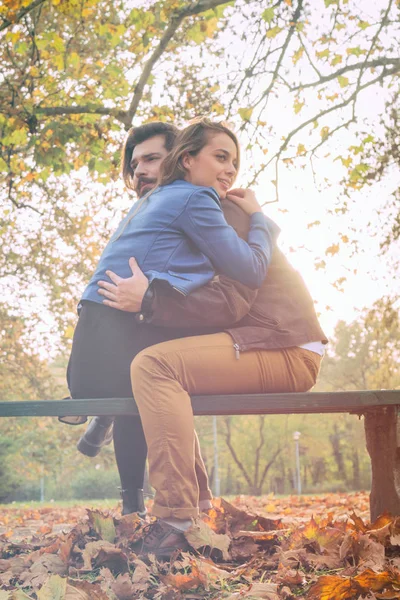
{"points": [[382, 431], [335, 440], [356, 469]]}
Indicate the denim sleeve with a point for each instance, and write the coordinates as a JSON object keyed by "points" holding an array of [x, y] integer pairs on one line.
{"points": [[247, 262]]}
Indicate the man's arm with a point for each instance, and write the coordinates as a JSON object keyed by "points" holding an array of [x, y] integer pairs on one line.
{"points": [[220, 303]]}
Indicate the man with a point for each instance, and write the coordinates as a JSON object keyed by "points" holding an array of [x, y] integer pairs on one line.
{"points": [[106, 340]]}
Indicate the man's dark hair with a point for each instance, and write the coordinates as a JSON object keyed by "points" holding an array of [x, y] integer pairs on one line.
{"points": [[137, 135]]}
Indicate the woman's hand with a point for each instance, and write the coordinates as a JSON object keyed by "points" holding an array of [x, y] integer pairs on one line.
{"points": [[246, 199]]}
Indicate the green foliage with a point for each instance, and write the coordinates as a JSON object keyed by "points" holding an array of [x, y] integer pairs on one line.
{"points": [[92, 484], [365, 353], [85, 483], [8, 477], [22, 373]]}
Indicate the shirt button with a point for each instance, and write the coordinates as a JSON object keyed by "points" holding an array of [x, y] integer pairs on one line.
{"points": [[141, 317]]}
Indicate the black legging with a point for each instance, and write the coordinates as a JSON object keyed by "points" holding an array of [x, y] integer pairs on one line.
{"points": [[105, 342]]}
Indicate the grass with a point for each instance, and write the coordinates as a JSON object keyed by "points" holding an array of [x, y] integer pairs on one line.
{"points": [[104, 504]]}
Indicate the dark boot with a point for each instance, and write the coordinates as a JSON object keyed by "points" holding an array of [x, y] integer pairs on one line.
{"points": [[163, 540], [133, 501], [98, 434]]}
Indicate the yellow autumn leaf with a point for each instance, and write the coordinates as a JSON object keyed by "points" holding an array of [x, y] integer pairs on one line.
{"points": [[273, 32], [245, 113], [324, 132], [332, 250], [301, 149]]}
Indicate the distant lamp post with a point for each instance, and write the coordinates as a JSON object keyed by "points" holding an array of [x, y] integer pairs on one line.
{"points": [[296, 437], [217, 490]]}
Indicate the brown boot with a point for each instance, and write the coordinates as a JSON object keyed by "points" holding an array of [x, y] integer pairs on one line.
{"points": [[162, 540]]}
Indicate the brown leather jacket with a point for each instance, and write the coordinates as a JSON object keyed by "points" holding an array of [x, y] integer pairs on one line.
{"points": [[278, 315]]}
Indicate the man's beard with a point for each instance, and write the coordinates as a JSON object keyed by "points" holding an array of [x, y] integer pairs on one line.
{"points": [[144, 185]]}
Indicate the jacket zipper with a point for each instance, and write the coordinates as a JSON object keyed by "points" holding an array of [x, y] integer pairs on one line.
{"points": [[180, 291], [237, 351]]}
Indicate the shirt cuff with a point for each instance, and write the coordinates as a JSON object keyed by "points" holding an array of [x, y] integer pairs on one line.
{"points": [[146, 309]]}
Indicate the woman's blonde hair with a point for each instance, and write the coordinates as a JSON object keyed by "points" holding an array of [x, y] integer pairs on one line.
{"points": [[191, 140]]}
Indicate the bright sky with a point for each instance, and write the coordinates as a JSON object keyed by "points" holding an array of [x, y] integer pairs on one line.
{"points": [[302, 200]]}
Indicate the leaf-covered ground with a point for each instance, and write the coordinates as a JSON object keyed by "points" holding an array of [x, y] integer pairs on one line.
{"points": [[314, 548]]}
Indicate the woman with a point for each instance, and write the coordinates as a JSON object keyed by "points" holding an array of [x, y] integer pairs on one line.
{"points": [[277, 347]]}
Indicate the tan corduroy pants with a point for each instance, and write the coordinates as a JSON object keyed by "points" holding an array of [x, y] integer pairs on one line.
{"points": [[163, 378]]}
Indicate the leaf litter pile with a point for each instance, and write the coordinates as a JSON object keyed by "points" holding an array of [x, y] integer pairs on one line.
{"points": [[319, 548]]}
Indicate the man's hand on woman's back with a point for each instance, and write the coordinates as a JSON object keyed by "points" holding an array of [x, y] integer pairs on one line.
{"points": [[125, 294]]}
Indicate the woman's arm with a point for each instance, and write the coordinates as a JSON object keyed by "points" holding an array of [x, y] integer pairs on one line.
{"points": [[247, 262]]}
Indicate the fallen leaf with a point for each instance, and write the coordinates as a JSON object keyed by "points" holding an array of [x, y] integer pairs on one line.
{"points": [[129, 528], [200, 535], [209, 571], [84, 590], [102, 553], [333, 587], [54, 589], [103, 525], [123, 587], [243, 548], [49, 563], [267, 591], [290, 576], [184, 581]]}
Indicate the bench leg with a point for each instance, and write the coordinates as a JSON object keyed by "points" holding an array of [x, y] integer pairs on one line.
{"points": [[382, 432]]}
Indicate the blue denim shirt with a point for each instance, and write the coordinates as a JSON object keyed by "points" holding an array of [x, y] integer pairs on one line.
{"points": [[179, 234]]}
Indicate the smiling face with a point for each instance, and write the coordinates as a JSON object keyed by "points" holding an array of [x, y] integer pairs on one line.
{"points": [[146, 162], [215, 165]]}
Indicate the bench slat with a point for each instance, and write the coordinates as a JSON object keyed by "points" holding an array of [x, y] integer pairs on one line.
{"points": [[240, 404]]}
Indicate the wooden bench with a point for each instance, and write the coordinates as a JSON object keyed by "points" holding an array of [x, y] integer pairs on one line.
{"points": [[379, 407]]}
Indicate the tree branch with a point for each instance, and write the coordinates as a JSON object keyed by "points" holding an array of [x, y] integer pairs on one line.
{"points": [[379, 62], [346, 102], [120, 115], [234, 455], [292, 28], [374, 40], [269, 465], [20, 14], [175, 21], [259, 447], [124, 116]]}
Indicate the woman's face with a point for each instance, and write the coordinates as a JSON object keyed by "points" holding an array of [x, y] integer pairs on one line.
{"points": [[215, 165]]}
